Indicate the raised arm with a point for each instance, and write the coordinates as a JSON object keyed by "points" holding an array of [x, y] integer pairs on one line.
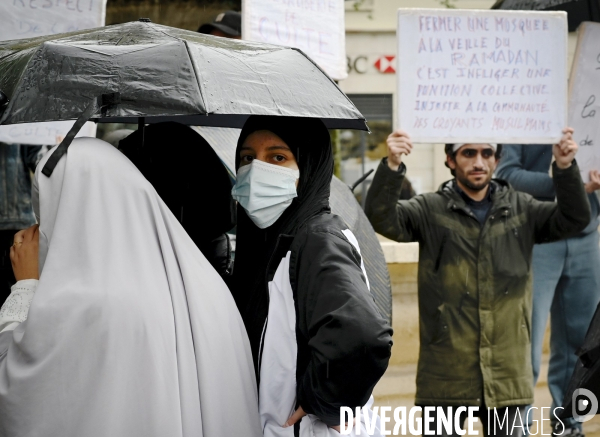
{"points": [[392, 218], [571, 212], [512, 169]]}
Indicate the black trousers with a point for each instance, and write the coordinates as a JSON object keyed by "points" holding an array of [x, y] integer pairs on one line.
{"points": [[496, 422], [7, 278]]}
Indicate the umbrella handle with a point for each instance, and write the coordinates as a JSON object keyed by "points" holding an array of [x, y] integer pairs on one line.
{"points": [[360, 180], [101, 103]]}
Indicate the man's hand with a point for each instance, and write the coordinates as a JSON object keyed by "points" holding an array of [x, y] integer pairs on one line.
{"points": [[24, 254], [564, 152], [398, 143], [594, 183]]}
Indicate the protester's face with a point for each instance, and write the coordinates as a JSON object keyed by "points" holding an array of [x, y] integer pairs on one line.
{"points": [[474, 165], [217, 32], [268, 147]]}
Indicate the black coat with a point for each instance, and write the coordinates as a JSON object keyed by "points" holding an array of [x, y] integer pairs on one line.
{"points": [[344, 344]]}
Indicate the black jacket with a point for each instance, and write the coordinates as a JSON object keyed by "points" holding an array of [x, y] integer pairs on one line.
{"points": [[344, 344]]}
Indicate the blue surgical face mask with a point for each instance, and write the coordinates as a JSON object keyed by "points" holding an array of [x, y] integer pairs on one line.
{"points": [[265, 191]]}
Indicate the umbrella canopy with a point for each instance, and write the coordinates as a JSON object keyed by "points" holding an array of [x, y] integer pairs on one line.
{"points": [[343, 203], [141, 69], [586, 374], [577, 10]]}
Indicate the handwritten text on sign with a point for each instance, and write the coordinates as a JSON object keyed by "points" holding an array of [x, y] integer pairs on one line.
{"points": [[584, 98], [31, 18], [315, 27], [494, 76]]}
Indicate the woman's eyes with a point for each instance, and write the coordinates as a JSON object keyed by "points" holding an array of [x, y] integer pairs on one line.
{"points": [[246, 159]]}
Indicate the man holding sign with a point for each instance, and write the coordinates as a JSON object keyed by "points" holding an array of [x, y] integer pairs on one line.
{"points": [[476, 238], [566, 274]]}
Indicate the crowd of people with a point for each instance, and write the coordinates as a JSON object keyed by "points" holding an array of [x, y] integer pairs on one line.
{"points": [[125, 313]]}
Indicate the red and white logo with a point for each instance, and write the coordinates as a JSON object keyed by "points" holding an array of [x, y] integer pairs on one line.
{"points": [[386, 64]]}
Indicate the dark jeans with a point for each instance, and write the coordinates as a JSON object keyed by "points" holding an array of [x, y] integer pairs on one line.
{"points": [[500, 422], [566, 287], [7, 278]]}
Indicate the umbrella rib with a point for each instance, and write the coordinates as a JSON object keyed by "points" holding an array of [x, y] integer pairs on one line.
{"points": [[196, 74], [8, 55], [121, 39], [325, 74], [153, 26]]}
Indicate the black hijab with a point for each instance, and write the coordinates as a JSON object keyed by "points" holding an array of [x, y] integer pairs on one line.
{"points": [[309, 141], [188, 175]]}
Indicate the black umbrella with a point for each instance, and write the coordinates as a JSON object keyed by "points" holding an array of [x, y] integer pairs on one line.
{"points": [[577, 10], [586, 374], [147, 73], [344, 204]]}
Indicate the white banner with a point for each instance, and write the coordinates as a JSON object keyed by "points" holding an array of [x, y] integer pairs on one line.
{"points": [[30, 18], [584, 98], [315, 27], [482, 76]]}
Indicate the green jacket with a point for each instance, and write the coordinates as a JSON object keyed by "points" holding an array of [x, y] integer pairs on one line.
{"points": [[474, 281]]}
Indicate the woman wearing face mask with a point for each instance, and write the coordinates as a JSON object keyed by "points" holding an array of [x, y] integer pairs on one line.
{"points": [[317, 340], [129, 331]]}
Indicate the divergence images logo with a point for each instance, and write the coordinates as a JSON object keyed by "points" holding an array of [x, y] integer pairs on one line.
{"points": [[585, 405]]}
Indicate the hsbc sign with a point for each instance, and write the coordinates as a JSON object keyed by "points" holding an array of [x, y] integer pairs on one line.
{"points": [[386, 64], [372, 64]]}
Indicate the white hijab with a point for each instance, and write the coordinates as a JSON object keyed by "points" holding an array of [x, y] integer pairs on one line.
{"points": [[131, 331]]}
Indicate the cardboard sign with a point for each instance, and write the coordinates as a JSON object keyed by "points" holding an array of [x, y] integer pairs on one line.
{"points": [[31, 18], [482, 76], [315, 27], [584, 98]]}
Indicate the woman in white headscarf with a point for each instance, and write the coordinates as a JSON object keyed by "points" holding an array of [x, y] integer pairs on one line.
{"points": [[130, 331]]}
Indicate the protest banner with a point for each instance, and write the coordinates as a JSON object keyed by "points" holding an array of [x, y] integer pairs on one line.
{"points": [[482, 76], [32, 18], [584, 98], [316, 27]]}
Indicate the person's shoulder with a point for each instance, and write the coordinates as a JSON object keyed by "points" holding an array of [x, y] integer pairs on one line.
{"points": [[444, 194], [434, 196], [325, 222], [504, 189], [321, 230], [321, 225], [322, 237]]}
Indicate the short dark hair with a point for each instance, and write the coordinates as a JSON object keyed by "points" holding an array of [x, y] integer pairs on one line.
{"points": [[448, 149]]}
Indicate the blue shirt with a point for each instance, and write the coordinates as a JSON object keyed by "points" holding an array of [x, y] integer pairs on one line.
{"points": [[480, 208], [526, 168]]}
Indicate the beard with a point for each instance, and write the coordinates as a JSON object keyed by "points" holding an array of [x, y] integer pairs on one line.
{"points": [[471, 185]]}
